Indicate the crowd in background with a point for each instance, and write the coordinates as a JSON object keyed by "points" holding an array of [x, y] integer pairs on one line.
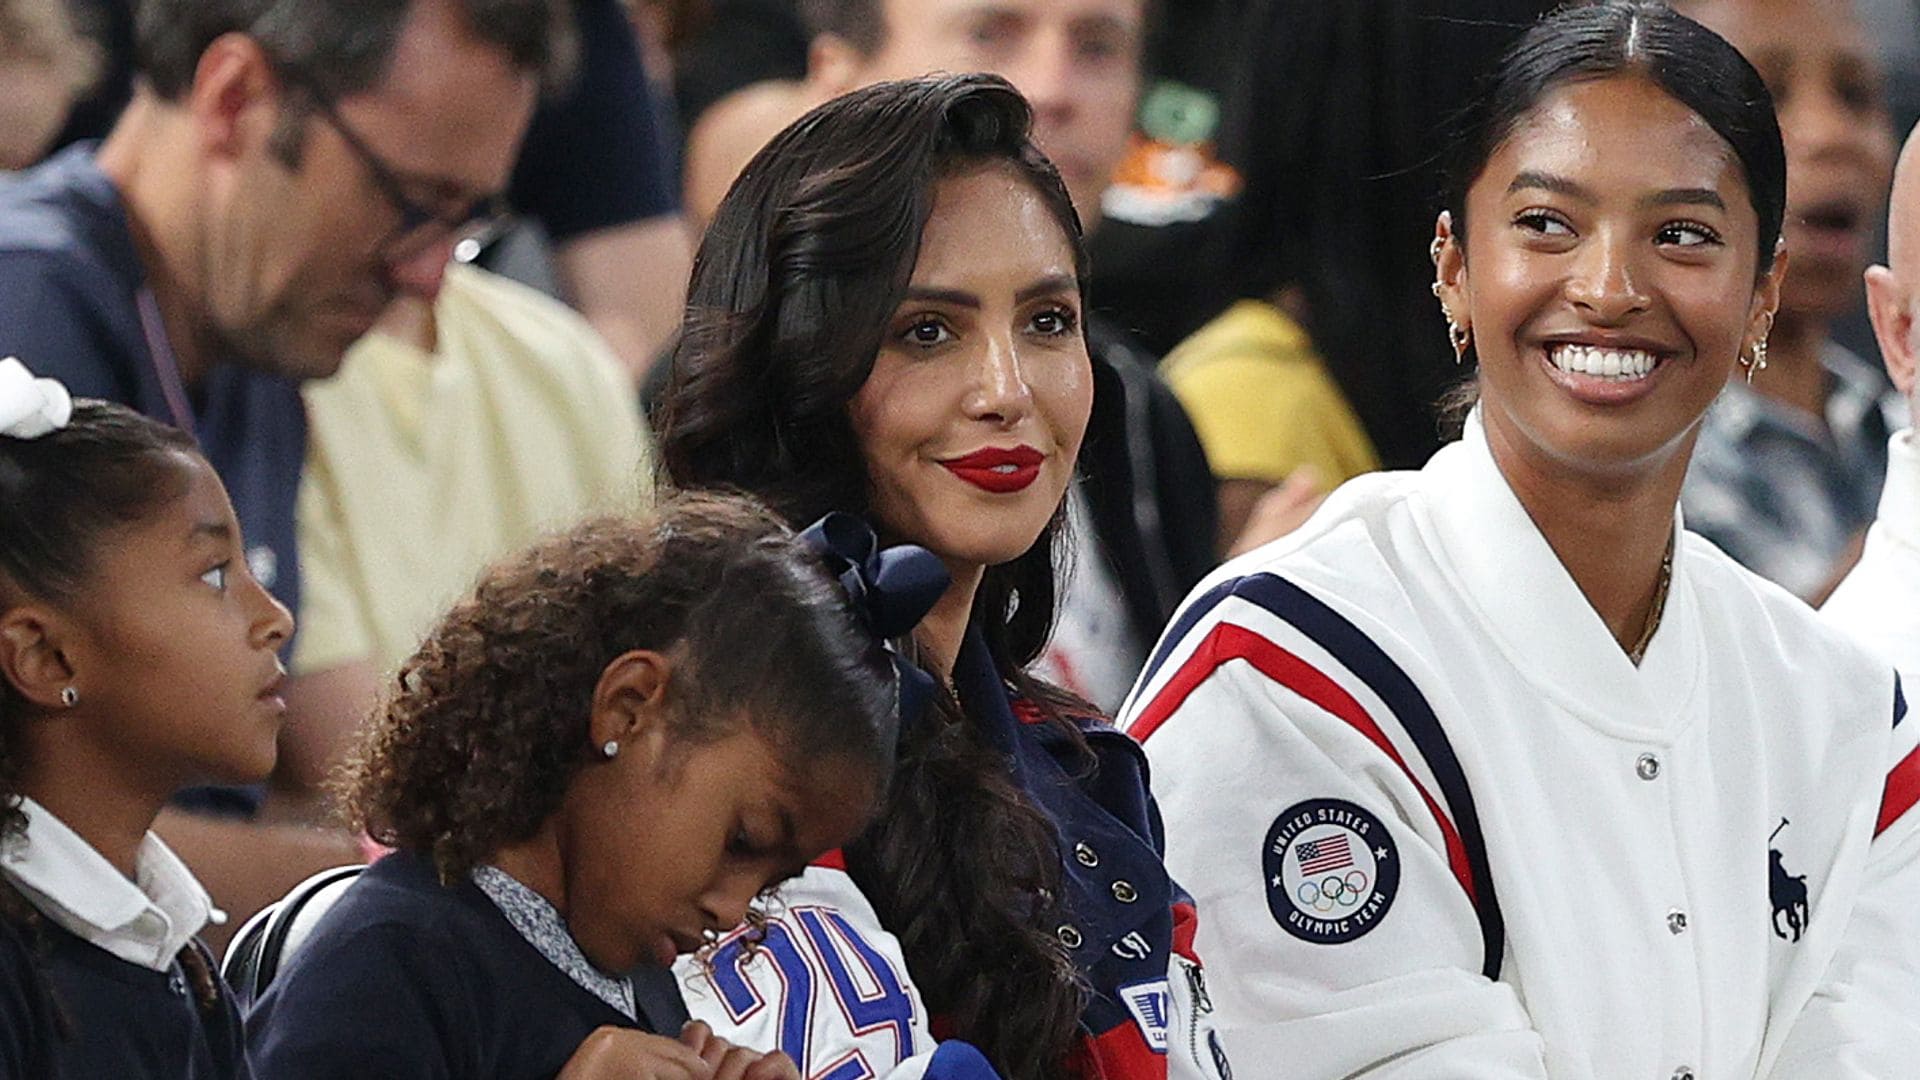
{"points": [[1257, 181]]}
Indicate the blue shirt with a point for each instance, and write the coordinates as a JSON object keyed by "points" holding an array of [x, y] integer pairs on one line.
{"points": [[69, 285], [70, 288], [122, 1020], [406, 978]]}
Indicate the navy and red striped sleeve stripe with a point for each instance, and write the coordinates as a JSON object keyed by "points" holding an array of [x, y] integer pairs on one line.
{"points": [[1352, 649]]}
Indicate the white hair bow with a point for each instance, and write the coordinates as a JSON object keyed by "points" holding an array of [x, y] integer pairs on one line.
{"points": [[31, 407]]}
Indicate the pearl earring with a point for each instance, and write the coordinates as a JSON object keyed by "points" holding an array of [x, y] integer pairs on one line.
{"points": [[610, 749]]}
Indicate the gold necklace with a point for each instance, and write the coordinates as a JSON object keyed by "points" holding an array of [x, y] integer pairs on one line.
{"points": [[1659, 605]]}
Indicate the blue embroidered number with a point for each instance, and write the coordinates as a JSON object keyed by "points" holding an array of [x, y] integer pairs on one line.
{"points": [[742, 1000], [885, 1006]]}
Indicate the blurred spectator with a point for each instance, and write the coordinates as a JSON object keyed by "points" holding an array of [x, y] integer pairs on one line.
{"points": [[455, 432], [1335, 122], [596, 176], [1789, 466], [1160, 259], [597, 173], [735, 44], [272, 185], [108, 24], [1144, 509], [1879, 602], [1265, 410], [46, 66]]}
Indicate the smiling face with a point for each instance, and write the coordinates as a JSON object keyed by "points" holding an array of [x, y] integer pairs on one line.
{"points": [[663, 852], [1831, 97], [176, 658], [971, 420], [1608, 277]]}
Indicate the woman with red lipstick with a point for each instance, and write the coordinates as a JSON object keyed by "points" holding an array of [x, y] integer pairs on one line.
{"points": [[138, 656], [1493, 770], [1789, 467], [886, 318]]}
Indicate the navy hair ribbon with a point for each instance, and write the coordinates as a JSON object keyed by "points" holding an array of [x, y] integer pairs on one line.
{"points": [[890, 589]]}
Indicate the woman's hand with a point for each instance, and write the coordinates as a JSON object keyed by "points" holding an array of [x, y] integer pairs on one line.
{"points": [[730, 1062], [615, 1053]]}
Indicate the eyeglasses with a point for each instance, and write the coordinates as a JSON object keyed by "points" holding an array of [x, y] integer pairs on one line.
{"points": [[419, 227]]}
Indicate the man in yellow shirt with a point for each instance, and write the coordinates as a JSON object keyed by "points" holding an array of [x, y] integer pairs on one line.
{"points": [[453, 434]]}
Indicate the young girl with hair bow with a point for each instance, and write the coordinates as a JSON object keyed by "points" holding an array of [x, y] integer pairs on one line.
{"points": [[137, 657]]}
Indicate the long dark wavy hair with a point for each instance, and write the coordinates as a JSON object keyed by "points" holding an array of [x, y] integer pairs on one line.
{"points": [[800, 272]]}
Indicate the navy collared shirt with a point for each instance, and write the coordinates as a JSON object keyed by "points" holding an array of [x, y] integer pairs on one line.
{"points": [[70, 281]]}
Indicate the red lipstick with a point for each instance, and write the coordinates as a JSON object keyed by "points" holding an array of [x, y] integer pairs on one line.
{"points": [[998, 471]]}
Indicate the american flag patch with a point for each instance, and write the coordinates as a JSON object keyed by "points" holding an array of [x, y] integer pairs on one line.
{"points": [[1326, 853]]}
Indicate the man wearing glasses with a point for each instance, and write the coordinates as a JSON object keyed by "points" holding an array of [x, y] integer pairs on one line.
{"points": [[285, 170]]}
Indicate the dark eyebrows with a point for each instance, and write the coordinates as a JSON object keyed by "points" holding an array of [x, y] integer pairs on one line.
{"points": [[216, 530], [1046, 286], [1530, 179], [943, 296], [1686, 197], [1558, 185]]}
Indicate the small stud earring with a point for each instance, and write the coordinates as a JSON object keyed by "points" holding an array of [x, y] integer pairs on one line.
{"points": [[69, 696], [610, 749]]}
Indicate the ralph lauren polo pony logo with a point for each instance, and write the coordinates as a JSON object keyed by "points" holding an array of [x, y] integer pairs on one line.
{"points": [[1788, 891]]}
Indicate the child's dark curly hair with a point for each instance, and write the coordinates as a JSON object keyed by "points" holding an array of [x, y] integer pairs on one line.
{"points": [[488, 721]]}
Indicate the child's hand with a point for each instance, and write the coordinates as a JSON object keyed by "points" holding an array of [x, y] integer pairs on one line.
{"points": [[730, 1062], [614, 1053]]}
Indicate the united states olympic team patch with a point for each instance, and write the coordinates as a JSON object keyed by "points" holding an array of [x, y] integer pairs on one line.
{"points": [[1331, 869]]}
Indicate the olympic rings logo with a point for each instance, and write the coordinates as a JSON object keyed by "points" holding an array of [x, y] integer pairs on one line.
{"points": [[1335, 892]]}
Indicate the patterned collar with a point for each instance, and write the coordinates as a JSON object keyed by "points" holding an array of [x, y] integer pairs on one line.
{"points": [[544, 929]]}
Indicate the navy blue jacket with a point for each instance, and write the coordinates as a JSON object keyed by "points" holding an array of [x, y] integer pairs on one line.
{"points": [[70, 1010], [409, 979]]}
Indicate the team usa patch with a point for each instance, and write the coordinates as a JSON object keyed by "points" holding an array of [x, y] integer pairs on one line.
{"points": [[1151, 1004], [1332, 871]]}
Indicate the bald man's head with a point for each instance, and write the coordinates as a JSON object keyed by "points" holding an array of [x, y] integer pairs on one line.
{"points": [[1903, 214], [1893, 291]]}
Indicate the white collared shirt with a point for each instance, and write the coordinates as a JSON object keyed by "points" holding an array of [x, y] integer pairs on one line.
{"points": [[145, 922], [1879, 602], [1363, 733]]}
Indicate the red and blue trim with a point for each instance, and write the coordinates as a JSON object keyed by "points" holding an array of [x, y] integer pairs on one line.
{"points": [[1465, 843]]}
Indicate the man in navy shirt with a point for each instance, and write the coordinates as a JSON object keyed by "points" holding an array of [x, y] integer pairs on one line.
{"points": [[283, 171]]}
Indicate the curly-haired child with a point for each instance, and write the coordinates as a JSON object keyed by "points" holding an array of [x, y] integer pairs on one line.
{"points": [[595, 762], [137, 657]]}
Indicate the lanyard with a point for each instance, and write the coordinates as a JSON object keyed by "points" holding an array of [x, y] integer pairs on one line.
{"points": [[165, 367]]}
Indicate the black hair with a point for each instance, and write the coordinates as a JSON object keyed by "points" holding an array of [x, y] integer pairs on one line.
{"points": [[65, 493], [343, 46], [1604, 38], [487, 723], [801, 270]]}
